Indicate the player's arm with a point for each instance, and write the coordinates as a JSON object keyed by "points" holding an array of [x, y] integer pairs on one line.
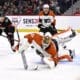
{"points": [[40, 20], [54, 20]]}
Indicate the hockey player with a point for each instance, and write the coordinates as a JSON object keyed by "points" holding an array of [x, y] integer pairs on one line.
{"points": [[45, 47], [7, 27], [47, 20]]}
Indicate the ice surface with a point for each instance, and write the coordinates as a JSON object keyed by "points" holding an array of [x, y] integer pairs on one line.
{"points": [[11, 66]]}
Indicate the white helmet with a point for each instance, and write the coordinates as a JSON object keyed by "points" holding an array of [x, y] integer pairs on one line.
{"points": [[48, 34], [45, 6]]}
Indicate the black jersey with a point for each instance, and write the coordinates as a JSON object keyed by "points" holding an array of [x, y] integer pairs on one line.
{"points": [[6, 22]]}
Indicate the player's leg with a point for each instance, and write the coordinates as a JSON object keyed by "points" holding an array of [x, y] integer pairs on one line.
{"points": [[0, 31], [65, 57], [73, 33], [64, 53], [45, 57], [71, 52], [10, 34], [49, 61], [53, 30]]}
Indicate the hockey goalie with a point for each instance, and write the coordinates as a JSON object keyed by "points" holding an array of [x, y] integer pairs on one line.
{"points": [[46, 46]]}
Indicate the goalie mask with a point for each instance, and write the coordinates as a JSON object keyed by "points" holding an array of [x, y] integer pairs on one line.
{"points": [[46, 42]]}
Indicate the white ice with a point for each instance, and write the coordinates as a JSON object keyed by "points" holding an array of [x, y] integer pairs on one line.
{"points": [[11, 66]]}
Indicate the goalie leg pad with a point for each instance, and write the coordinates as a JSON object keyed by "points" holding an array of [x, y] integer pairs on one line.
{"points": [[24, 45], [49, 62]]}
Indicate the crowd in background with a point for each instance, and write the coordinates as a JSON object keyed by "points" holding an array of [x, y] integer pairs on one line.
{"points": [[32, 7]]}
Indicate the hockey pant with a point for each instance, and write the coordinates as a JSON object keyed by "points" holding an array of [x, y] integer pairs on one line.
{"points": [[9, 31], [50, 29]]}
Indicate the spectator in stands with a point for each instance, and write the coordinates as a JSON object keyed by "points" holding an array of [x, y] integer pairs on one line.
{"points": [[63, 5], [36, 9], [55, 7], [77, 12], [2, 2], [1, 11], [22, 6], [29, 10], [15, 2]]}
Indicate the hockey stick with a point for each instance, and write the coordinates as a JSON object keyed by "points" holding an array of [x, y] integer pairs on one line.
{"points": [[22, 53], [24, 60], [18, 35]]}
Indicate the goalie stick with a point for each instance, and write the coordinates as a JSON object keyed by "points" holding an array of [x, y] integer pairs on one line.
{"points": [[24, 60], [22, 53]]}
